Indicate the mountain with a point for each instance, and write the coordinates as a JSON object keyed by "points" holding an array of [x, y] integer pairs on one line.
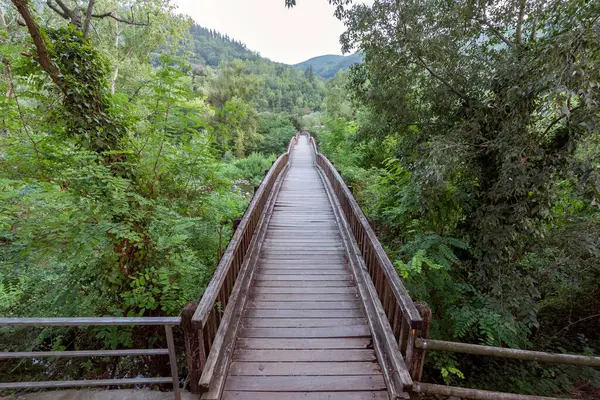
{"points": [[329, 65], [210, 47]]}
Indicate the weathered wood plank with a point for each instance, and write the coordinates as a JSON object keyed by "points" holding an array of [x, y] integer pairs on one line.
{"points": [[301, 322], [300, 271], [273, 277], [279, 283], [236, 395], [305, 290], [267, 313], [305, 383], [302, 355], [306, 344], [299, 263], [303, 305], [304, 268], [303, 368], [305, 297], [303, 332]]}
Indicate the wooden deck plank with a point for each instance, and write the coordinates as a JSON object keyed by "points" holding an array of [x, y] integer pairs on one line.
{"points": [[236, 395], [268, 313], [310, 332], [303, 368], [303, 305], [301, 322], [305, 383], [304, 297], [305, 290], [280, 283], [300, 271], [305, 344], [275, 277], [302, 355]]}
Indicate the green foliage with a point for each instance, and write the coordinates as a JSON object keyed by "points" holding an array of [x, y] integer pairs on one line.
{"points": [[275, 130], [210, 48], [250, 169], [227, 70], [117, 185], [472, 143]]}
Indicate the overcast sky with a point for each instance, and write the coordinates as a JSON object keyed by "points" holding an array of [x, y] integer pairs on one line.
{"points": [[268, 27]]}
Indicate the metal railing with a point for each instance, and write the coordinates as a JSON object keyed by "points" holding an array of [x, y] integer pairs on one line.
{"points": [[167, 322]]}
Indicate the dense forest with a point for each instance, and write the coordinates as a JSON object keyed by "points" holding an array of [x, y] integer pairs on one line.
{"points": [[470, 136], [130, 138], [328, 66], [129, 141]]}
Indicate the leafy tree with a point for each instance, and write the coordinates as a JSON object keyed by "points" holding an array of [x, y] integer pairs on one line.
{"points": [[480, 119], [112, 196]]}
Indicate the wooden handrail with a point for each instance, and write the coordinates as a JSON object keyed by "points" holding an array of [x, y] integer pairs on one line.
{"points": [[503, 352], [207, 316], [403, 316]]}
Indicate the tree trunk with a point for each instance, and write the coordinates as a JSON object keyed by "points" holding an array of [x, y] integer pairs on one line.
{"points": [[3, 20], [43, 56], [88, 18], [519, 33], [115, 75]]}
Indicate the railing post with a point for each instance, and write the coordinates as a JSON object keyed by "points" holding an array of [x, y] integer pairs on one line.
{"points": [[417, 360], [193, 346], [173, 361]]}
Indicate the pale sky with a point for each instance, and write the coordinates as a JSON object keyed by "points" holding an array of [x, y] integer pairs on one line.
{"points": [[285, 35]]}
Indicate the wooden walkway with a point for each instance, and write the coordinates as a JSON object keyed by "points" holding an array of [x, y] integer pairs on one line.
{"points": [[304, 334]]}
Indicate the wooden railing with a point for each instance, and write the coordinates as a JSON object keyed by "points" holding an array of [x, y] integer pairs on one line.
{"points": [[209, 313], [405, 318], [167, 322], [500, 352]]}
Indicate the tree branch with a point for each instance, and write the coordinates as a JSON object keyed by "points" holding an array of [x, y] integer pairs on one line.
{"points": [[576, 322], [65, 10], [441, 79], [88, 18], [519, 33], [495, 31], [557, 120], [57, 10], [43, 56], [110, 14]]}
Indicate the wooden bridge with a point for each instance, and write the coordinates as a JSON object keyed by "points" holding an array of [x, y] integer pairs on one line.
{"points": [[304, 304]]}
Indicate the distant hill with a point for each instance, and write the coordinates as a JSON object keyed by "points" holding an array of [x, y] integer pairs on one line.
{"points": [[327, 66], [210, 47]]}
